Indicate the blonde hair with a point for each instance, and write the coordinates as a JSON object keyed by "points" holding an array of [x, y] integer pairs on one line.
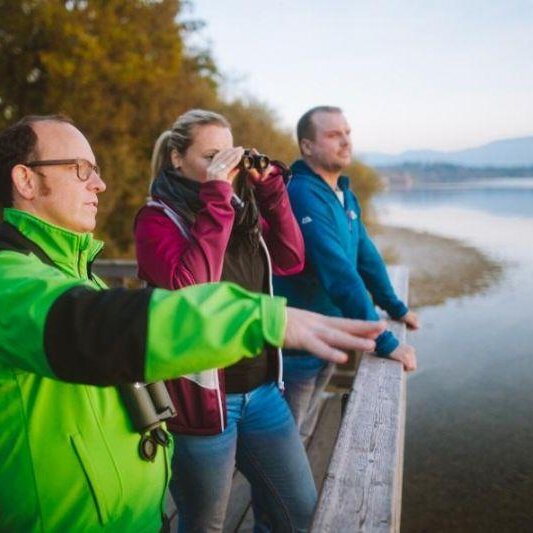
{"points": [[181, 136]]}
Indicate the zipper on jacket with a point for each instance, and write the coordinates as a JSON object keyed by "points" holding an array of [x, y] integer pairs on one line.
{"points": [[83, 258], [180, 224]]}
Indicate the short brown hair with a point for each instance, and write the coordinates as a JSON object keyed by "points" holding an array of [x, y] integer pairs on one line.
{"points": [[305, 129], [18, 144]]}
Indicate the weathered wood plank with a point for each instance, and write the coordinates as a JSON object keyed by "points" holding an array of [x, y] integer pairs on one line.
{"points": [[362, 489], [322, 442]]}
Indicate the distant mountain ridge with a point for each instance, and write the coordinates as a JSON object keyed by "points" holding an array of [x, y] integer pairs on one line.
{"points": [[515, 152]]}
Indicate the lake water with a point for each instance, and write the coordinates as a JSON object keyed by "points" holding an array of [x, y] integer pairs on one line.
{"points": [[469, 436]]}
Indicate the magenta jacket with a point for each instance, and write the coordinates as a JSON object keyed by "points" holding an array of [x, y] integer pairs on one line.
{"points": [[173, 254]]}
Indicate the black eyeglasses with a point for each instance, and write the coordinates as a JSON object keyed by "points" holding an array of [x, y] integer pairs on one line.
{"points": [[84, 168]]}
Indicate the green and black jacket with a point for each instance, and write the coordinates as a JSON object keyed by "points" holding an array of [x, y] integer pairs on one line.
{"points": [[68, 448]]}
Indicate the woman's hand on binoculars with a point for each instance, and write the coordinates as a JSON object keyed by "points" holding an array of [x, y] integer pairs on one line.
{"points": [[223, 166], [256, 176]]}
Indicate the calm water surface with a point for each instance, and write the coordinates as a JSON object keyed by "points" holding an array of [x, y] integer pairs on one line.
{"points": [[469, 440]]}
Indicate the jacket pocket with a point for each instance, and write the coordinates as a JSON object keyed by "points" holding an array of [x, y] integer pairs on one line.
{"points": [[92, 478]]}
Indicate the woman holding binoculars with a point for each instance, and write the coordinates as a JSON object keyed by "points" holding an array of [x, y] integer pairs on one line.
{"points": [[217, 213]]}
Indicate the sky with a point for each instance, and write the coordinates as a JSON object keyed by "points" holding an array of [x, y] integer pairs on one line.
{"points": [[410, 74]]}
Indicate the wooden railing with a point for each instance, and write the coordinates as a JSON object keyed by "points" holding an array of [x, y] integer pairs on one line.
{"points": [[362, 488], [116, 271]]}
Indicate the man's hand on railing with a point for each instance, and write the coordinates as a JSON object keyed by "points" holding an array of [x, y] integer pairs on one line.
{"points": [[327, 337], [405, 353], [410, 319]]}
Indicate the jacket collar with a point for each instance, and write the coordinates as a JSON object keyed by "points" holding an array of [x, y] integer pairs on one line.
{"points": [[70, 251], [300, 167]]}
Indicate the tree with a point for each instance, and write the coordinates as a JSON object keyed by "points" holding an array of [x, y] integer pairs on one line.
{"points": [[119, 69], [122, 71], [255, 126]]}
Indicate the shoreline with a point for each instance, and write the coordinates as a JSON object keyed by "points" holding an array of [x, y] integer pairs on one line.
{"points": [[440, 267]]}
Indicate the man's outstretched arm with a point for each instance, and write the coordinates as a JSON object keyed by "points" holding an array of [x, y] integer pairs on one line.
{"points": [[329, 337], [65, 329]]}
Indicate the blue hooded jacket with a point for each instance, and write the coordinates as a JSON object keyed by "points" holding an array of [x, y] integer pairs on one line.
{"points": [[342, 265]]}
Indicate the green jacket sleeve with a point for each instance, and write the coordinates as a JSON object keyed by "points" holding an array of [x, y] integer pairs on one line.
{"points": [[209, 326], [65, 328]]}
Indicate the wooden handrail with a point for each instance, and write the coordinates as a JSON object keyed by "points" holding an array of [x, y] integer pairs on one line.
{"points": [[362, 490], [116, 268]]}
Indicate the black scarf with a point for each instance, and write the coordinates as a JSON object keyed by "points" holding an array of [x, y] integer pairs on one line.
{"points": [[178, 192], [183, 196]]}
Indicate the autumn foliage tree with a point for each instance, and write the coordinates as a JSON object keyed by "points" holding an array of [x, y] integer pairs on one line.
{"points": [[122, 71], [119, 69]]}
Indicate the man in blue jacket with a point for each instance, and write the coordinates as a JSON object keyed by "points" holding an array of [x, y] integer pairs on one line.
{"points": [[342, 264]]}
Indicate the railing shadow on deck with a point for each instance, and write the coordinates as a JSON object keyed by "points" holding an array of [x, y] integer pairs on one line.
{"points": [[362, 486]]}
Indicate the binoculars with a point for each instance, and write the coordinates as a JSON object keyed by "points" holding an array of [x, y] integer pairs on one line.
{"points": [[250, 160], [148, 405]]}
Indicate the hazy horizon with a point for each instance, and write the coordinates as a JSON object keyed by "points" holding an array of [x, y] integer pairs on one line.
{"points": [[409, 75], [451, 151]]}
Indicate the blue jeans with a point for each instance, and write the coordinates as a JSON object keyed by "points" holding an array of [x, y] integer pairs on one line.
{"points": [[303, 388], [261, 439]]}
